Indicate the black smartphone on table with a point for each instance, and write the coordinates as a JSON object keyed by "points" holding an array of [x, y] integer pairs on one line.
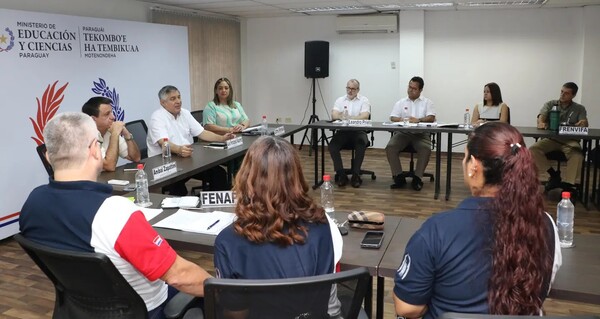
{"points": [[372, 239]]}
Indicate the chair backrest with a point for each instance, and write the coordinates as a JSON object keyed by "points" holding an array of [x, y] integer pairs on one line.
{"points": [[198, 115], [139, 130], [304, 297], [455, 315], [87, 285], [41, 150], [508, 111]]}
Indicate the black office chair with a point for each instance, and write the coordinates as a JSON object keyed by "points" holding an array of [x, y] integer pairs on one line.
{"points": [[41, 150], [350, 171], [456, 315], [305, 297], [139, 130], [198, 115], [88, 285], [410, 149]]}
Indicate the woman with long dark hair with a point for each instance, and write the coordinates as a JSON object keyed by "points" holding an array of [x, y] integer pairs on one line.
{"points": [[497, 252], [492, 108]]}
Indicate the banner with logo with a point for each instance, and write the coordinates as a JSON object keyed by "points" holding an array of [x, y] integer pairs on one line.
{"points": [[54, 63]]}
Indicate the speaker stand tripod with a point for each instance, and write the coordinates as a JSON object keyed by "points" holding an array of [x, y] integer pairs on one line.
{"points": [[313, 118]]}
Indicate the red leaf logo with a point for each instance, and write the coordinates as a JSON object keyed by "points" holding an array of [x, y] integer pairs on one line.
{"points": [[46, 109]]}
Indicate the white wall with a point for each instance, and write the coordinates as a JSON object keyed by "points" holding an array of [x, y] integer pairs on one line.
{"points": [[529, 53], [110, 9]]}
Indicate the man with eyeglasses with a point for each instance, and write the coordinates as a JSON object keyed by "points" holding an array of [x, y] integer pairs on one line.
{"points": [[358, 108], [415, 108], [74, 212]]}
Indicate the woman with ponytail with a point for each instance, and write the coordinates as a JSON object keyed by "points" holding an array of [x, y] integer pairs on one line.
{"points": [[497, 252]]}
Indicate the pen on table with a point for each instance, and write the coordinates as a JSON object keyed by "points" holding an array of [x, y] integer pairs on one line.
{"points": [[211, 226]]}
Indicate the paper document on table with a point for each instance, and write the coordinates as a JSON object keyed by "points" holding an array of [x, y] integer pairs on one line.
{"points": [[150, 213], [180, 202], [427, 124], [251, 128], [392, 123], [203, 223]]}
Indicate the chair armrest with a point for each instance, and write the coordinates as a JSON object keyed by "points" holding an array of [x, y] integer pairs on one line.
{"points": [[178, 305]]}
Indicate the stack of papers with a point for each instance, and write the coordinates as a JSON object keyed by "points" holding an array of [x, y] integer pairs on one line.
{"points": [[180, 202], [203, 223]]}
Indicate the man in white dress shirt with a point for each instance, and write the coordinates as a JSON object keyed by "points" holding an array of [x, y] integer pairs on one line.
{"points": [[417, 109], [114, 138], [359, 108], [179, 126]]}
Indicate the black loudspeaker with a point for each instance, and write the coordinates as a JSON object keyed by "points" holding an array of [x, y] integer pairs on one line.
{"points": [[316, 59]]}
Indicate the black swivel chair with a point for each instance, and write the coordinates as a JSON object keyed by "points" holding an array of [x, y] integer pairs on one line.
{"points": [[304, 297], [88, 285], [198, 115], [410, 149], [350, 171], [139, 130], [455, 315], [41, 150]]}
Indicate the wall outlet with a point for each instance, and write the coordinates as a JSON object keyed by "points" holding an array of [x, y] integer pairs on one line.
{"points": [[288, 120]]}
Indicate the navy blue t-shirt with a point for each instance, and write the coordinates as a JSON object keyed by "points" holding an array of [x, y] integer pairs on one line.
{"points": [[237, 257], [447, 263]]}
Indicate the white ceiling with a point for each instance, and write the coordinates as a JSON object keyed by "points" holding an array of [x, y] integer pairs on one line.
{"points": [[285, 8]]}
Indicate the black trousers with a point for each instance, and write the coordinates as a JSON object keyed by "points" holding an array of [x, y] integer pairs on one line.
{"points": [[356, 140]]}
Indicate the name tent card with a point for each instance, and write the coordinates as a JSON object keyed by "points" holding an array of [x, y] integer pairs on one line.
{"points": [[164, 170], [360, 123], [572, 130], [278, 131], [234, 142], [221, 198]]}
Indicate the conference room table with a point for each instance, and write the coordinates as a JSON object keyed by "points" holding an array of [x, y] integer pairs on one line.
{"points": [[323, 126], [353, 256], [593, 135], [578, 279], [201, 160]]}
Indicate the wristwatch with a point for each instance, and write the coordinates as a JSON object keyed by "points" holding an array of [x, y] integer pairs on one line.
{"points": [[129, 138]]}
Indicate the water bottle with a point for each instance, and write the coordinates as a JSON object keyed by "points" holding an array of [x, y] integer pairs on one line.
{"points": [[345, 116], [467, 122], [141, 187], [327, 197], [554, 118], [565, 212], [405, 116], [166, 151], [264, 126]]}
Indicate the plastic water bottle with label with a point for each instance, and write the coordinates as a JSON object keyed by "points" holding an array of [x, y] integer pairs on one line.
{"points": [[264, 126], [327, 197], [467, 119], [565, 212], [405, 116], [166, 151], [345, 116], [142, 196]]}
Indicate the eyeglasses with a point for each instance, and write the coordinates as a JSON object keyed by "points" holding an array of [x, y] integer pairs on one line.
{"points": [[351, 89]]}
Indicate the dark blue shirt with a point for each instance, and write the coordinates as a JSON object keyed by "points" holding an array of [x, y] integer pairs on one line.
{"points": [[447, 263], [66, 208]]}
